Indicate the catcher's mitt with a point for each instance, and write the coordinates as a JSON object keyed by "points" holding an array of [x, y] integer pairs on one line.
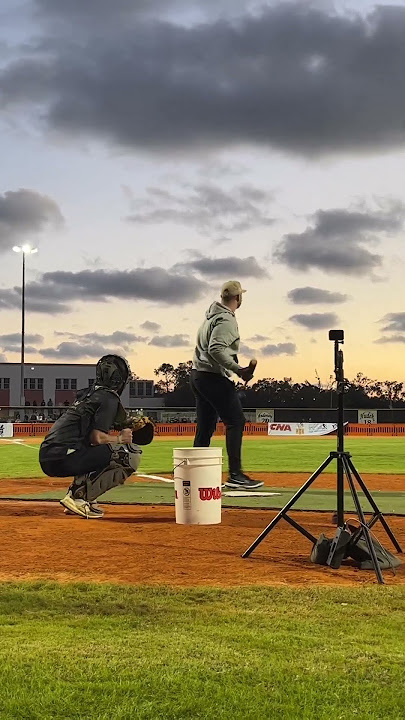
{"points": [[143, 430]]}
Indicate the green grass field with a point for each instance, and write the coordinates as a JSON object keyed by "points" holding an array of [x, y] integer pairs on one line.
{"points": [[119, 653], [371, 455]]}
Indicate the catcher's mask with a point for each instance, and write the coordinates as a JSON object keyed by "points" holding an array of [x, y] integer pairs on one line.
{"points": [[113, 372]]}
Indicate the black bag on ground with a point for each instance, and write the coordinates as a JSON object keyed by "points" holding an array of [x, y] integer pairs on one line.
{"points": [[320, 550], [358, 550]]}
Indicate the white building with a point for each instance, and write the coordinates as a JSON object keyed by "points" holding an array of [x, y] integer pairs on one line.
{"points": [[56, 385]]}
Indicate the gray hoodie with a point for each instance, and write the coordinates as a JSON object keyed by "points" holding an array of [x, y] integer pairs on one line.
{"points": [[218, 342]]}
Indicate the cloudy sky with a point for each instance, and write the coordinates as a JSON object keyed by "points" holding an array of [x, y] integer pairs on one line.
{"points": [[152, 149]]}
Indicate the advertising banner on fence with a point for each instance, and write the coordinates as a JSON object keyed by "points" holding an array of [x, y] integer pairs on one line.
{"points": [[265, 415], [302, 428], [367, 417], [6, 430]]}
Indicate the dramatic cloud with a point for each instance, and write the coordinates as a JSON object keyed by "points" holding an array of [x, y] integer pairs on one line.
{"points": [[391, 339], [24, 213], [258, 338], [280, 349], [75, 351], [396, 322], [117, 339], [17, 349], [316, 321], [92, 345], [53, 293], [246, 351], [170, 341], [222, 267], [150, 326], [335, 242], [15, 338], [396, 325], [150, 84], [315, 296], [206, 207]]}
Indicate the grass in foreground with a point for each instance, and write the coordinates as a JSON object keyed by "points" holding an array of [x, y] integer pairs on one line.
{"points": [[88, 651], [376, 455]]}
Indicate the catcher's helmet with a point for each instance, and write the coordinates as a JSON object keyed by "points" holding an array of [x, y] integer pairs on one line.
{"points": [[113, 372]]}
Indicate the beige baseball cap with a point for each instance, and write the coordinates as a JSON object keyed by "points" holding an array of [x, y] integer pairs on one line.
{"points": [[232, 288]]}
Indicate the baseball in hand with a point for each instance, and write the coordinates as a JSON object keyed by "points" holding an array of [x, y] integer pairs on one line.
{"points": [[252, 364]]}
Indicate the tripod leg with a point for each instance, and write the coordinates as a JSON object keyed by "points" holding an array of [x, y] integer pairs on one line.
{"points": [[340, 492], [287, 507], [365, 528], [375, 507]]}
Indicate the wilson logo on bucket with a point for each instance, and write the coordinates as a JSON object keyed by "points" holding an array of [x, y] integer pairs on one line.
{"points": [[207, 493]]}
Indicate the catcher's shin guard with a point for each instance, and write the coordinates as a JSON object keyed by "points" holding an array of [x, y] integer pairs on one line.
{"points": [[124, 461]]}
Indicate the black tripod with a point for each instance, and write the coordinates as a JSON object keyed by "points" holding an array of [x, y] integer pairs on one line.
{"points": [[345, 467]]}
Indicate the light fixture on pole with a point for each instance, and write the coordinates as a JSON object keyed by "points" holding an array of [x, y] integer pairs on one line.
{"points": [[25, 250]]}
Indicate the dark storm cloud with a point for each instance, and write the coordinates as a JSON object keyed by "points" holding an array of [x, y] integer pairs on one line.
{"points": [[314, 296], [222, 267], [23, 213], [335, 243], [315, 321], [205, 207], [290, 76], [280, 349], [150, 326], [170, 341]]}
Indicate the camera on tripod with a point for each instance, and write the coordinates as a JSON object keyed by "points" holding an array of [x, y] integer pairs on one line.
{"points": [[337, 335]]}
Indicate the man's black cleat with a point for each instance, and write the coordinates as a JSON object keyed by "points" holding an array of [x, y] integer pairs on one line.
{"points": [[240, 481]]}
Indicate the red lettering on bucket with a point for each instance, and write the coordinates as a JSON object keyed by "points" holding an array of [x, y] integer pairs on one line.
{"points": [[280, 426], [207, 493]]}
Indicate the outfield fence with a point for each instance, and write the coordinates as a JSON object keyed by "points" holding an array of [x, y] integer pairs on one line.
{"points": [[258, 429]]}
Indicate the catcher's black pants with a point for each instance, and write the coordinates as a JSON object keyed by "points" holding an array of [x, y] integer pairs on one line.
{"points": [[56, 463], [215, 396]]}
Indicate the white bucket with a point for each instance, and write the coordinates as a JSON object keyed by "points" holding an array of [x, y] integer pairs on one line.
{"points": [[197, 484]]}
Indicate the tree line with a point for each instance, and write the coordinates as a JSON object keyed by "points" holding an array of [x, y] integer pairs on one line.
{"points": [[362, 392]]}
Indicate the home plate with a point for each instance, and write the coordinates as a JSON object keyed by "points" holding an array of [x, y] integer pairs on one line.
{"points": [[248, 493]]}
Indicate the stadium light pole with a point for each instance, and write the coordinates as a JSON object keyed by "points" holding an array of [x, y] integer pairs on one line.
{"points": [[24, 250]]}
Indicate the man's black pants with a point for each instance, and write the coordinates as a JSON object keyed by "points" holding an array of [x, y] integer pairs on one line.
{"points": [[215, 396]]}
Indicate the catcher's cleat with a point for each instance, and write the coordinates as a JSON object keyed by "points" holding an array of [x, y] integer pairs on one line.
{"points": [[82, 508], [95, 508]]}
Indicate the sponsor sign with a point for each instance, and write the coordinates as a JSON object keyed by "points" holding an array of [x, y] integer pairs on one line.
{"points": [[6, 430], [302, 428], [265, 415], [367, 417]]}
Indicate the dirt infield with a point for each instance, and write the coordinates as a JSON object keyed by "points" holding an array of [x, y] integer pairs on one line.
{"points": [[143, 545], [327, 481]]}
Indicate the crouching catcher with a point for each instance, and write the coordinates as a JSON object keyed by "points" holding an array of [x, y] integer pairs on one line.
{"points": [[81, 444]]}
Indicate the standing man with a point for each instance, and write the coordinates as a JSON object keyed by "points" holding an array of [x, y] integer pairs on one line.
{"points": [[80, 442], [215, 359]]}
